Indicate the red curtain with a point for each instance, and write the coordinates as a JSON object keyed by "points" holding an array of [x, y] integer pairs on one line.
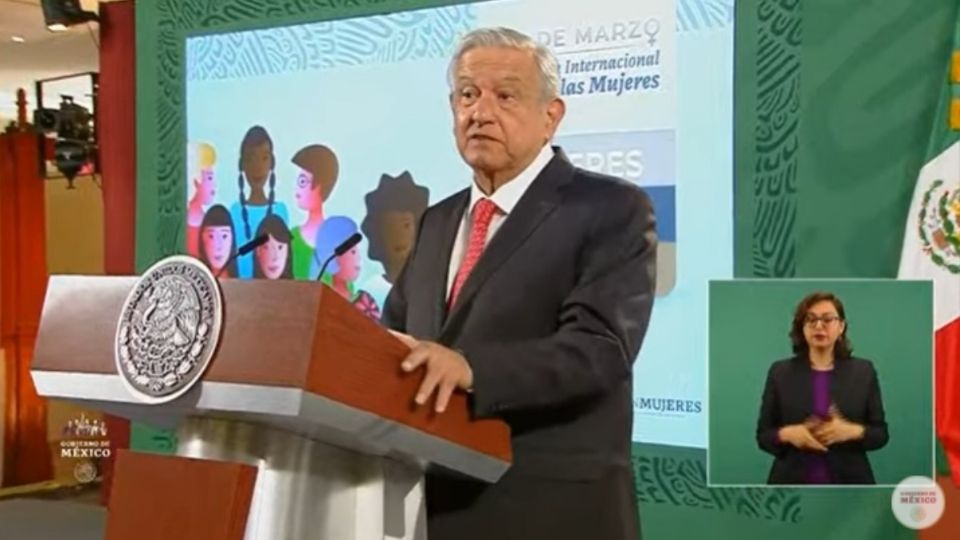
{"points": [[116, 123], [118, 134], [23, 284]]}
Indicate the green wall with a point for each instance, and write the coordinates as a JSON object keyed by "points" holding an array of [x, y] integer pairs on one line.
{"points": [[834, 105], [875, 100], [888, 322]]}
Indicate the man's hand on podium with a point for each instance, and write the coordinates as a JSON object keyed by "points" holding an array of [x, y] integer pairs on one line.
{"points": [[446, 370]]}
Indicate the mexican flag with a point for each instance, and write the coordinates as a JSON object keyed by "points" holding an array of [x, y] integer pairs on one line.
{"points": [[931, 250]]}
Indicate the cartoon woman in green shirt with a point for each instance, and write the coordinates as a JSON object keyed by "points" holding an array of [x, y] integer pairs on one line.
{"points": [[318, 174]]}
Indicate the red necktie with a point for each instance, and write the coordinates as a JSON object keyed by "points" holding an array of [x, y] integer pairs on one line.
{"points": [[483, 212]]}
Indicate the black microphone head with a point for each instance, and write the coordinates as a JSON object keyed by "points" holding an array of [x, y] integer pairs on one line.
{"points": [[253, 244], [348, 244]]}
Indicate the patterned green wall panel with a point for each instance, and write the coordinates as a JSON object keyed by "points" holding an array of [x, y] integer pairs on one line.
{"points": [[675, 503], [767, 117]]}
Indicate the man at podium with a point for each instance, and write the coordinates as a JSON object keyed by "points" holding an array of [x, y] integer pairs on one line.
{"points": [[531, 290]]}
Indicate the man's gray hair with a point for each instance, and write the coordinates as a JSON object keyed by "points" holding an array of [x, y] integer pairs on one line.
{"points": [[511, 39]]}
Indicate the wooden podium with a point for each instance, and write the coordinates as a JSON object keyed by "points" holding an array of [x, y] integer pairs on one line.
{"points": [[303, 389]]}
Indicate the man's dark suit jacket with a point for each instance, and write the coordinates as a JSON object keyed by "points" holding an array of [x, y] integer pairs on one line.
{"points": [[550, 319], [788, 399]]}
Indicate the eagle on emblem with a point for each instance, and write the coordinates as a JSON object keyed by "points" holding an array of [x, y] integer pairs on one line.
{"points": [[939, 226]]}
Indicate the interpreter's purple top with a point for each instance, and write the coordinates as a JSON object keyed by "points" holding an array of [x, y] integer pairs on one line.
{"points": [[818, 471]]}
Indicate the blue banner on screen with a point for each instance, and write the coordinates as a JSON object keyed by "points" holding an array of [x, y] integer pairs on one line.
{"points": [[312, 132]]}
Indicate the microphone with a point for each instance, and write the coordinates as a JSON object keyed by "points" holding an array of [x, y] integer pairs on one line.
{"points": [[344, 247], [244, 249]]}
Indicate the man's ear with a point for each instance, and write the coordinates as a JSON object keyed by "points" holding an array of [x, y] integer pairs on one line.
{"points": [[556, 109]]}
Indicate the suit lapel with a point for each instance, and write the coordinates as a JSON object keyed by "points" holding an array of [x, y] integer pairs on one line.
{"points": [[443, 248], [540, 199]]}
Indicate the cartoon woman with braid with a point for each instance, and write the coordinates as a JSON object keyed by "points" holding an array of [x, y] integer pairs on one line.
{"points": [[256, 170]]}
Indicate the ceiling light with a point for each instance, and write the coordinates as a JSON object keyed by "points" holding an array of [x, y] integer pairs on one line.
{"points": [[17, 39], [56, 27]]}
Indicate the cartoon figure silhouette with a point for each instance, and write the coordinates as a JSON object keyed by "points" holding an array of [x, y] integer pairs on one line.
{"points": [[201, 157], [390, 226], [218, 241], [256, 165], [343, 271], [317, 177], [275, 257]]}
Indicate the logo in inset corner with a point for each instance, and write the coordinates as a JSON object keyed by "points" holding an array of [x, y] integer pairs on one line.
{"points": [[84, 439], [917, 502], [939, 226], [168, 329]]}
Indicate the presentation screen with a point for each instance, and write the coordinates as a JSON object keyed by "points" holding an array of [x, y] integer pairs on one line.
{"points": [[312, 132]]}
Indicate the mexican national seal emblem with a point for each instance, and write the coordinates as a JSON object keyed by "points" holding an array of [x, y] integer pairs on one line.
{"points": [[168, 329], [939, 226], [85, 472]]}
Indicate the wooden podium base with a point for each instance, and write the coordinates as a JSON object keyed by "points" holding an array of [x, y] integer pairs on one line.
{"points": [[162, 497]]}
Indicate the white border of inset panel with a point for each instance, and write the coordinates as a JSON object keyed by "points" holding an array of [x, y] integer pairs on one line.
{"points": [[933, 378]]}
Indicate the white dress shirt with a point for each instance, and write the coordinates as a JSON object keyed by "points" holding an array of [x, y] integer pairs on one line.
{"points": [[506, 198]]}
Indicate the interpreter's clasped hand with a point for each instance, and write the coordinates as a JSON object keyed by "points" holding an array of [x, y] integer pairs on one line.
{"points": [[837, 429], [801, 436]]}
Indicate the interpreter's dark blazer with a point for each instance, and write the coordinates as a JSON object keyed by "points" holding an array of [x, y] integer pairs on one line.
{"points": [[550, 320], [788, 399]]}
